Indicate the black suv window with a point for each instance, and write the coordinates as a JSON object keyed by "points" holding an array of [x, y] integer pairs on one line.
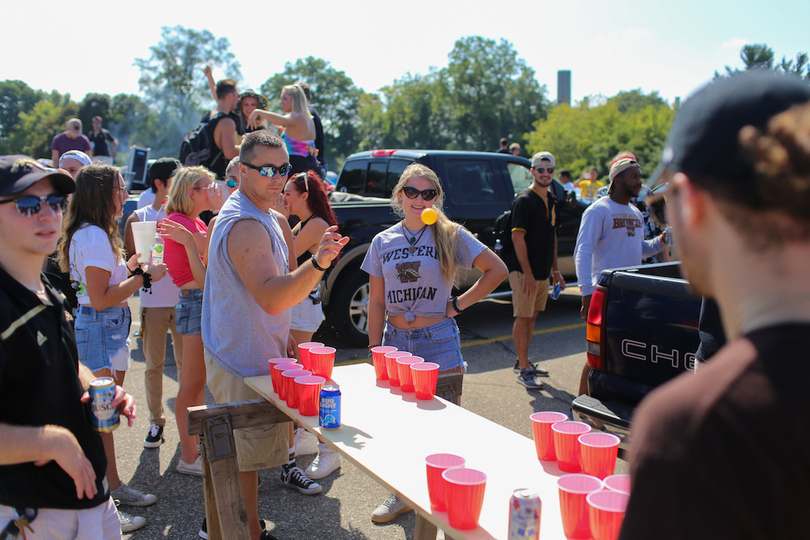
{"points": [[471, 181], [353, 176], [375, 180], [395, 168]]}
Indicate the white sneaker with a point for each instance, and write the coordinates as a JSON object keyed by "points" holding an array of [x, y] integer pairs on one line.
{"points": [[194, 469], [324, 464], [129, 522], [305, 442], [391, 508]]}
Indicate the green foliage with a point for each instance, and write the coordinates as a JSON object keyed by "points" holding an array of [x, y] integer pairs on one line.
{"points": [[15, 97], [334, 96], [38, 126], [93, 105], [172, 77], [594, 131], [760, 56]]}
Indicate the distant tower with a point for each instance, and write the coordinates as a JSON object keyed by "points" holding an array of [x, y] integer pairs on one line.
{"points": [[564, 86]]}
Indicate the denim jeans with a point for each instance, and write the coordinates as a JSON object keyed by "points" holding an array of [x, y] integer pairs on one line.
{"points": [[101, 334], [188, 312], [439, 343]]}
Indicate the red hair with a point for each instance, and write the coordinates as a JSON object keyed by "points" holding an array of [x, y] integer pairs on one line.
{"points": [[317, 201]]}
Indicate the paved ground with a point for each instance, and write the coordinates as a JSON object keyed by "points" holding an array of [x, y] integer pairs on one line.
{"points": [[343, 510]]}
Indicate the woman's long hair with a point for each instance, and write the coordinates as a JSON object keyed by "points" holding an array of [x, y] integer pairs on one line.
{"points": [[184, 180], [92, 204], [445, 231], [299, 99], [317, 201]]}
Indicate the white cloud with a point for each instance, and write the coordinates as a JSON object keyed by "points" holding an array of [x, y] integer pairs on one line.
{"points": [[735, 43]]}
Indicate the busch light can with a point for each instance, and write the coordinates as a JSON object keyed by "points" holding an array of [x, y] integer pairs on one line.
{"points": [[329, 415], [524, 514], [105, 416]]}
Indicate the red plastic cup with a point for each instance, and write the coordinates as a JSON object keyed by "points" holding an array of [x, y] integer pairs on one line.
{"points": [[378, 357], [464, 496], [288, 381], [425, 377], [436, 465], [566, 445], [303, 352], [391, 365], [404, 364], [606, 513], [543, 436], [272, 362], [574, 488], [598, 453], [618, 482], [322, 361], [275, 376], [309, 391]]}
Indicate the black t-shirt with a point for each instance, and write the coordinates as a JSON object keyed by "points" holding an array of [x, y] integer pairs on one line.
{"points": [[39, 385], [539, 219], [722, 453], [100, 142]]}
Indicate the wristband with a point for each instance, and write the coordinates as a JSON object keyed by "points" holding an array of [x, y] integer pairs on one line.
{"points": [[454, 301], [317, 266]]}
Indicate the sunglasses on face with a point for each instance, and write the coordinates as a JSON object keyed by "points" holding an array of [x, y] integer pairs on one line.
{"points": [[541, 169], [231, 182], [270, 171], [30, 205], [427, 194]]}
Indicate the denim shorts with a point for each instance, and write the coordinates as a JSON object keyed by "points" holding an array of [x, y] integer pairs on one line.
{"points": [[100, 335], [188, 312], [440, 342]]}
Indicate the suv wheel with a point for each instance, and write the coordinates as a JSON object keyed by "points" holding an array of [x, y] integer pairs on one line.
{"points": [[348, 308]]}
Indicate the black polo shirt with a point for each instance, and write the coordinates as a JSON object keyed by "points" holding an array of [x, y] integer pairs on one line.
{"points": [[39, 385], [100, 141], [539, 219]]}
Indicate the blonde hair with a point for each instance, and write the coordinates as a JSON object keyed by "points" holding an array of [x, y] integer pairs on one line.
{"points": [[445, 231], [299, 99], [184, 180]]}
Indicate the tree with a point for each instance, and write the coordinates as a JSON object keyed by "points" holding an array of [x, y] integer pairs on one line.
{"points": [[334, 95], [39, 125], [492, 93], [172, 78], [595, 130], [801, 67], [760, 56], [93, 105], [15, 97]]}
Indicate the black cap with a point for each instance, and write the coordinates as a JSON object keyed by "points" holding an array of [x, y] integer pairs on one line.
{"points": [[161, 169], [704, 139], [18, 173]]}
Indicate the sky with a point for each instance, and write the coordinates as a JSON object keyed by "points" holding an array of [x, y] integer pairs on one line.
{"points": [[670, 47]]}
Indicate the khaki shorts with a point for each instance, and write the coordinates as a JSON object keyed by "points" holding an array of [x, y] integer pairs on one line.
{"points": [[256, 448], [527, 306]]}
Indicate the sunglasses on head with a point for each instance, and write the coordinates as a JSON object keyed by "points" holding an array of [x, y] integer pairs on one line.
{"points": [[427, 194], [270, 171], [541, 169], [306, 182], [30, 205]]}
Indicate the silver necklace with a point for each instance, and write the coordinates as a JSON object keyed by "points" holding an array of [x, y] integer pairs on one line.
{"points": [[413, 240]]}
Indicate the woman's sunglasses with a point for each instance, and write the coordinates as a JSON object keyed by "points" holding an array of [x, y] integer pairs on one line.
{"points": [[231, 182], [306, 182], [427, 194], [30, 205]]}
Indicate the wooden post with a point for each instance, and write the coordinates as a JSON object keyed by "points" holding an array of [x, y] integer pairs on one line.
{"points": [[224, 503]]}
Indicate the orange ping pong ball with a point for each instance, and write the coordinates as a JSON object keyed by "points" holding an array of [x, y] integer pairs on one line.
{"points": [[429, 216]]}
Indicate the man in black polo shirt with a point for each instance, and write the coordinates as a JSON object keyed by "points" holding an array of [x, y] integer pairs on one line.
{"points": [[105, 146], [533, 262], [51, 459]]}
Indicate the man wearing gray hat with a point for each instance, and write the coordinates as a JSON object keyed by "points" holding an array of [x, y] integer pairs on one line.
{"points": [[722, 453], [52, 461]]}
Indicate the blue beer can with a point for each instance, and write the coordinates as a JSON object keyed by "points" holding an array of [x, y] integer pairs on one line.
{"points": [[555, 291], [102, 393], [329, 415]]}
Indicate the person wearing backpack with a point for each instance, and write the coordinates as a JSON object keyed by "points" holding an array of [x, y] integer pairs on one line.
{"points": [[212, 144], [532, 262]]}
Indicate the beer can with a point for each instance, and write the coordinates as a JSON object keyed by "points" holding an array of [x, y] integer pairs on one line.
{"points": [[105, 416], [524, 514], [329, 414], [555, 292]]}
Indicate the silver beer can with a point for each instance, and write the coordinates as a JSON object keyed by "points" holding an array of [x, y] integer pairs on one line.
{"points": [[524, 515], [102, 392]]}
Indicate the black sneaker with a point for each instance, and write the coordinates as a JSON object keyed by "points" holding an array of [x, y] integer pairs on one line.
{"points": [[154, 437], [539, 372], [204, 531], [294, 477], [528, 379]]}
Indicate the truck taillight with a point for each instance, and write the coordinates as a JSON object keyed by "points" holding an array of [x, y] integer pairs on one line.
{"points": [[382, 153], [593, 333]]}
